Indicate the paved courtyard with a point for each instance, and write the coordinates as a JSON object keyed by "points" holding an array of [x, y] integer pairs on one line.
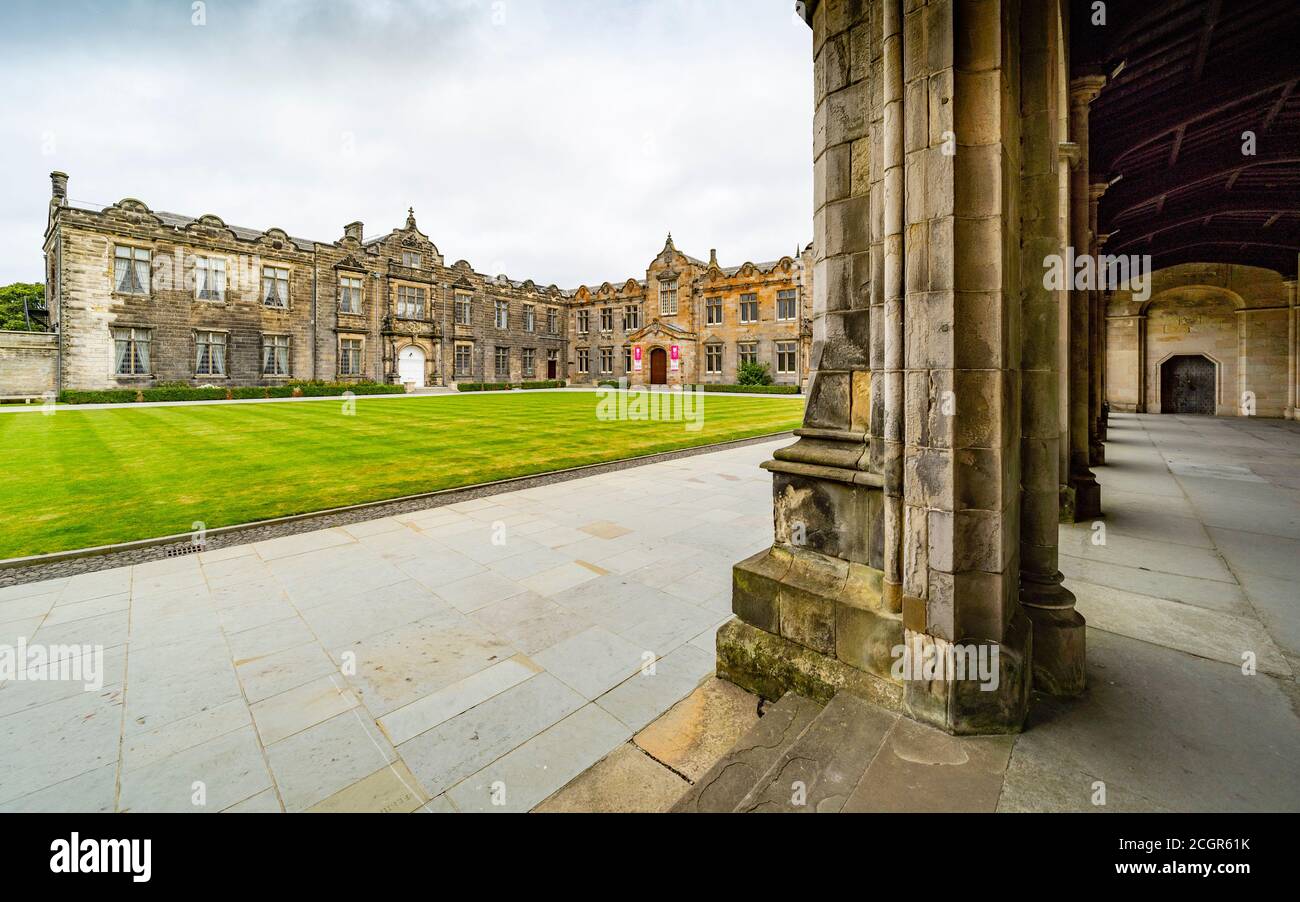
{"points": [[481, 656], [484, 652]]}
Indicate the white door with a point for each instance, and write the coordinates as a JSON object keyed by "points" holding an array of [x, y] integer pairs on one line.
{"points": [[410, 366]]}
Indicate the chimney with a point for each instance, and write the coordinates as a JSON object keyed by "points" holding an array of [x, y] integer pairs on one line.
{"points": [[352, 230], [713, 256], [59, 187]]}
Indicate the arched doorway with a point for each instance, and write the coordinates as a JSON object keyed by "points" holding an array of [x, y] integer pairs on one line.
{"points": [[658, 366], [1187, 384], [410, 365]]}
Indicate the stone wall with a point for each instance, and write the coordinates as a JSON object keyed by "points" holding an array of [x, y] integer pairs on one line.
{"points": [[1237, 316], [80, 247], [28, 363]]}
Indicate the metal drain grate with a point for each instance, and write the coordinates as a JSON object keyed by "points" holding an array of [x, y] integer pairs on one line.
{"points": [[187, 548]]}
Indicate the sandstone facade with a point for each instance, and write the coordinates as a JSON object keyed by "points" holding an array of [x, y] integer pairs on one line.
{"points": [[217, 304]]}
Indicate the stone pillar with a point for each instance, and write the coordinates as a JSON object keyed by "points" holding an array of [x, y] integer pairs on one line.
{"points": [[1087, 493], [813, 613], [1058, 629], [1096, 333], [1067, 157], [1292, 351]]}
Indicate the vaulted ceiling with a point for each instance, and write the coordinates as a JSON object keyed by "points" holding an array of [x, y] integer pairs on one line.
{"points": [[1187, 79]]}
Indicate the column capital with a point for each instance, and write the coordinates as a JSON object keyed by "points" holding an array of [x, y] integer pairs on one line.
{"points": [[1085, 88], [1069, 152], [1096, 190]]}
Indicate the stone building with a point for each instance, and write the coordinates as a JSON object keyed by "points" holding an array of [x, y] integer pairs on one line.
{"points": [[691, 322], [139, 296], [963, 150]]}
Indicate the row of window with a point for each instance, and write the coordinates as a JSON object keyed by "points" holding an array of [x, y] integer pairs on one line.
{"points": [[787, 308], [463, 361], [631, 320], [132, 353], [131, 268], [787, 358]]}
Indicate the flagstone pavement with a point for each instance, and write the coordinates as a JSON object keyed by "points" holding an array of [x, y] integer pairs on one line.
{"points": [[470, 657]]}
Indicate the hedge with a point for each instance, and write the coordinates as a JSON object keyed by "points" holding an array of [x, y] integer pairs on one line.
{"points": [[483, 386], [330, 389], [112, 396], [754, 389], [546, 383], [239, 392]]}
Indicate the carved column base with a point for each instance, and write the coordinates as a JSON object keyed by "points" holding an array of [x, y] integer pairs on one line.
{"points": [[994, 701], [1087, 496], [1066, 504], [1059, 632]]}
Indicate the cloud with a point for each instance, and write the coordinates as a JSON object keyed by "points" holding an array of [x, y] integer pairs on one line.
{"points": [[556, 141]]}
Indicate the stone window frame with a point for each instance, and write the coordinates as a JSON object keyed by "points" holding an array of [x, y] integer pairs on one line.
{"points": [[747, 299], [787, 296], [498, 353], [462, 302], [791, 349], [400, 305], [135, 249], [711, 306], [501, 313], [528, 361], [288, 354], [710, 350], [223, 269], [530, 318], [583, 364], [631, 317], [133, 342], [668, 297], [746, 352], [224, 344], [468, 348], [606, 319], [412, 259], [552, 320], [360, 351], [582, 322], [627, 358], [606, 360], [360, 279], [288, 285]]}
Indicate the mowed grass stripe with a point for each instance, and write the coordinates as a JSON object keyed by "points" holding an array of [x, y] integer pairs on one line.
{"points": [[94, 477]]}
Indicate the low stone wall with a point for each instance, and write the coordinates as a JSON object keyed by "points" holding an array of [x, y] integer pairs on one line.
{"points": [[28, 363]]}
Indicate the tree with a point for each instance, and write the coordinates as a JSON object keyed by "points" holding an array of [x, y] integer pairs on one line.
{"points": [[753, 373], [11, 306]]}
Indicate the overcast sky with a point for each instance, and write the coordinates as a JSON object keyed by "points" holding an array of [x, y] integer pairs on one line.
{"points": [[557, 140]]}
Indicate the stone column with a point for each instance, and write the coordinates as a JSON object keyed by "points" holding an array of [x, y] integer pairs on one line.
{"points": [[1067, 157], [1087, 493], [813, 614], [1096, 333], [1292, 351], [1058, 629]]}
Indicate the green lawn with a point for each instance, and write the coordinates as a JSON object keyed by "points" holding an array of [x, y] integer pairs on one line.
{"points": [[93, 477]]}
